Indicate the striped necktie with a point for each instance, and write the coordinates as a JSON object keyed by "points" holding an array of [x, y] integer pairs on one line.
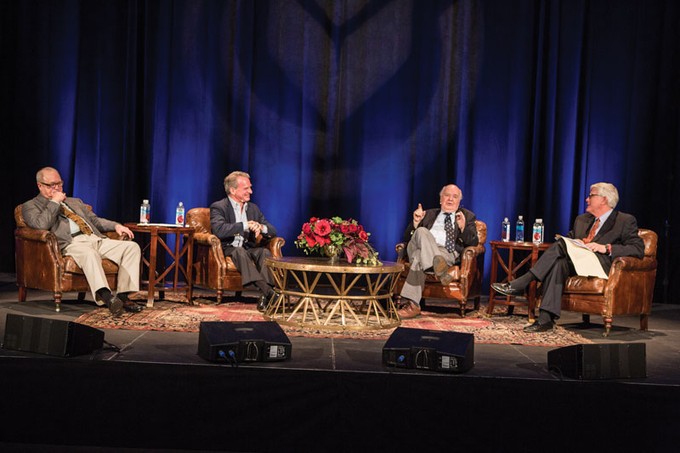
{"points": [[68, 212], [592, 232]]}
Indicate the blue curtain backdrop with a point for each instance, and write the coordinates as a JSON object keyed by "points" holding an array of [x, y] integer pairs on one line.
{"points": [[359, 109]]}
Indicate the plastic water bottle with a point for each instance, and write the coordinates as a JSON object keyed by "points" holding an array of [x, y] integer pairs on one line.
{"points": [[519, 229], [179, 214], [145, 212], [505, 234], [537, 234]]}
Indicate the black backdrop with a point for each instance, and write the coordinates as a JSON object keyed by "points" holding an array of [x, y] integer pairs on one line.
{"points": [[353, 108]]}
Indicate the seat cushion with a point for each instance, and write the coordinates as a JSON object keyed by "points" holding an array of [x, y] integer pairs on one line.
{"points": [[585, 285], [70, 266]]}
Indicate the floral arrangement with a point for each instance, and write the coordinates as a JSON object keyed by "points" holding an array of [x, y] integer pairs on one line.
{"points": [[335, 234]]}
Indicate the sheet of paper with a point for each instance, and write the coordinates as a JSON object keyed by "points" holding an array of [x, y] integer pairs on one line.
{"points": [[585, 262]]}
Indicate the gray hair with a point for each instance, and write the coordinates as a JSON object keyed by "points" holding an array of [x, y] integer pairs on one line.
{"points": [[608, 191], [39, 175], [444, 188], [231, 180]]}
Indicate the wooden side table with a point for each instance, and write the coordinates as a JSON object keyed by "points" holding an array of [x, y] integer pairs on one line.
{"points": [[521, 256], [184, 248]]}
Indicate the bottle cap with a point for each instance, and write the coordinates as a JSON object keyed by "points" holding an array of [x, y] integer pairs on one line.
{"points": [[145, 201], [520, 217], [181, 204], [539, 220], [505, 219]]}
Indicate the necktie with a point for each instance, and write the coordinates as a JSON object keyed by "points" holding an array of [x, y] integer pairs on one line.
{"points": [[84, 227], [450, 234], [593, 229]]}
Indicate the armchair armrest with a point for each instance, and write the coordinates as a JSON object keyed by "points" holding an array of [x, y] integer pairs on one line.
{"points": [[275, 245], [629, 263], [39, 262], [401, 252], [31, 234], [114, 235]]}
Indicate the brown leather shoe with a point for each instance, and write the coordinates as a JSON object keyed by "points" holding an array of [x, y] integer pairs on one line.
{"points": [[131, 307], [408, 309], [441, 270]]}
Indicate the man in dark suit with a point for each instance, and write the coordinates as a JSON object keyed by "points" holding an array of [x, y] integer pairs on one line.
{"points": [[244, 232], [605, 231], [79, 233], [435, 239]]}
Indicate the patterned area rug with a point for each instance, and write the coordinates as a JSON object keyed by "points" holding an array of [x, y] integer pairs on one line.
{"points": [[176, 316]]}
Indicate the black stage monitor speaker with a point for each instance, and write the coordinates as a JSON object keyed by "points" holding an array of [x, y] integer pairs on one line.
{"points": [[449, 352], [50, 336], [247, 341], [599, 361]]}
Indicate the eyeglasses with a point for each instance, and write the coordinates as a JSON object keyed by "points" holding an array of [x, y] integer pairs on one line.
{"points": [[54, 185], [591, 195]]}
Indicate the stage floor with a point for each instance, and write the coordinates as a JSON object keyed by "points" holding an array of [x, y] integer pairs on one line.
{"points": [[515, 365], [662, 342]]}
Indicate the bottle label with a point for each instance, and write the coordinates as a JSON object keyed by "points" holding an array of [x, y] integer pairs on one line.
{"points": [[179, 217], [144, 214]]}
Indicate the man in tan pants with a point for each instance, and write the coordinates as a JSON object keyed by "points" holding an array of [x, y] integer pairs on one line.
{"points": [[79, 233]]}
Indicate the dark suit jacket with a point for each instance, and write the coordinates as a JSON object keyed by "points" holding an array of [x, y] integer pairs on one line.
{"points": [[43, 214], [224, 225], [620, 230], [467, 238]]}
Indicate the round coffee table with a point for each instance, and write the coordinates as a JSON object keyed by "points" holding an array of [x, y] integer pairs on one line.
{"points": [[315, 293]]}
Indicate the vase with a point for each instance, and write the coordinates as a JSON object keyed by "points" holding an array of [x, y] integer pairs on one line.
{"points": [[332, 252]]}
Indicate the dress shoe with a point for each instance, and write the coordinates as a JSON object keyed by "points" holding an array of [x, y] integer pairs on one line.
{"points": [[506, 289], [262, 303], [408, 309], [537, 327], [115, 306], [131, 307], [441, 270]]}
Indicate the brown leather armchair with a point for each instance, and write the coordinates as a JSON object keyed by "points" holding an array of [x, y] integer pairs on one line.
{"points": [[212, 269], [467, 276], [628, 291], [40, 264]]}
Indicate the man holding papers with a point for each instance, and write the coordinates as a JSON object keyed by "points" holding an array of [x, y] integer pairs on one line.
{"points": [[602, 230]]}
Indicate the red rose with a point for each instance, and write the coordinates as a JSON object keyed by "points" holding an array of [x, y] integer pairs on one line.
{"points": [[322, 228], [307, 229], [363, 236]]}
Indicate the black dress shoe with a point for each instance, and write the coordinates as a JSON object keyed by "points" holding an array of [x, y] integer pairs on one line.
{"points": [[506, 289], [262, 303], [115, 306], [131, 307], [538, 328]]}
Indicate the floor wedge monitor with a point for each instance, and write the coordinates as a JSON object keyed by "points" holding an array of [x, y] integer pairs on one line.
{"points": [[436, 350], [245, 341], [599, 361], [50, 336]]}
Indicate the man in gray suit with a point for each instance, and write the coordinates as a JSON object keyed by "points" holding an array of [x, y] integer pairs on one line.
{"points": [[79, 234], [244, 232], [435, 238], [602, 229]]}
